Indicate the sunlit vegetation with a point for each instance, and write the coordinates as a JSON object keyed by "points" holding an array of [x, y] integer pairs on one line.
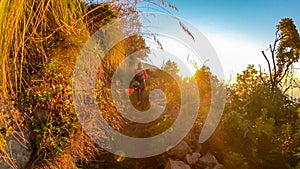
{"points": [[40, 42], [260, 124]]}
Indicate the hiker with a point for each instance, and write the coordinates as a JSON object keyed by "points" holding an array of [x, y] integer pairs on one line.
{"points": [[139, 81]]}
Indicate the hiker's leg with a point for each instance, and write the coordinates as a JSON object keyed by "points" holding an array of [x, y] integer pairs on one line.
{"points": [[138, 94], [141, 93]]}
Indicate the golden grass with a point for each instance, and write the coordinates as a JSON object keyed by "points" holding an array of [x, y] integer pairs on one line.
{"points": [[34, 35], [27, 29]]}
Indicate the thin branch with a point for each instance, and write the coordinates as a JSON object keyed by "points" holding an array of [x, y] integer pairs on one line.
{"points": [[285, 71], [273, 52], [286, 89], [276, 35], [269, 66], [297, 85], [273, 59], [94, 9], [162, 9], [260, 74]]}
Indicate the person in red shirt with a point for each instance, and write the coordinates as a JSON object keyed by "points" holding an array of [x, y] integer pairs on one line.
{"points": [[140, 75]]}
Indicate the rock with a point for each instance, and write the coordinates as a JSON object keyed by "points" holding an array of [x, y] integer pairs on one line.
{"points": [[7, 113], [198, 148], [219, 166], [41, 115], [19, 149], [180, 150], [16, 145], [209, 159], [192, 158], [174, 164]]}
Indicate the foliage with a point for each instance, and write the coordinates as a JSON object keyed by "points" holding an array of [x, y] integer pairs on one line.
{"points": [[11, 120], [235, 160], [45, 36], [40, 42], [284, 54], [34, 27], [288, 51], [170, 67], [53, 120], [259, 123], [99, 15], [31, 33], [206, 83]]}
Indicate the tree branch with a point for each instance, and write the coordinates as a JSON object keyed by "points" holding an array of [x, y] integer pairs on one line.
{"points": [[269, 66], [285, 90], [273, 53], [260, 74], [297, 85], [285, 71], [273, 59]]}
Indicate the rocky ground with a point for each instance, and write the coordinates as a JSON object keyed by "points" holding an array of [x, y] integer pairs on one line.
{"points": [[181, 156], [16, 144]]}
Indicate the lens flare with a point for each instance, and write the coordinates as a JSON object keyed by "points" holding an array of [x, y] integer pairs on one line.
{"points": [[119, 156], [93, 56]]}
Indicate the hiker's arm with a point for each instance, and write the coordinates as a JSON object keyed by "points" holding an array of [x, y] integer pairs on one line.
{"points": [[145, 74]]}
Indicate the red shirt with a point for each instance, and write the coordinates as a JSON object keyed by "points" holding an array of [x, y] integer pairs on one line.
{"points": [[136, 71]]}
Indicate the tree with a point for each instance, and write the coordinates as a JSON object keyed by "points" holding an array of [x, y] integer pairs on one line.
{"points": [[171, 67], [284, 52], [259, 126]]}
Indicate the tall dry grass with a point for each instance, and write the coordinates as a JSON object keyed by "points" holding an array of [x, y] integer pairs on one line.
{"points": [[30, 30], [34, 35]]}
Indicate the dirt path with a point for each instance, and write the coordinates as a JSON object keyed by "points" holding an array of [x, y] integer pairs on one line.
{"points": [[158, 102]]}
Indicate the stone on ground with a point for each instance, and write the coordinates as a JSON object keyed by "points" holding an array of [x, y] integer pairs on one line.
{"points": [[180, 150], [192, 158], [19, 149], [174, 164], [208, 159]]}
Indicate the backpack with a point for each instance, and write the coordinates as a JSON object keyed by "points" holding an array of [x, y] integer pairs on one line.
{"points": [[139, 76], [136, 83]]}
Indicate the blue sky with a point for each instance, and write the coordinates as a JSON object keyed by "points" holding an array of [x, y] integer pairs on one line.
{"points": [[238, 29], [254, 18]]}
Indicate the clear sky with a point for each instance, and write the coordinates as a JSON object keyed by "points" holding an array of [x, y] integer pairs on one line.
{"points": [[238, 29]]}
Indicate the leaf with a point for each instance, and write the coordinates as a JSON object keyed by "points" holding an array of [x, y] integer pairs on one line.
{"points": [[297, 154]]}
